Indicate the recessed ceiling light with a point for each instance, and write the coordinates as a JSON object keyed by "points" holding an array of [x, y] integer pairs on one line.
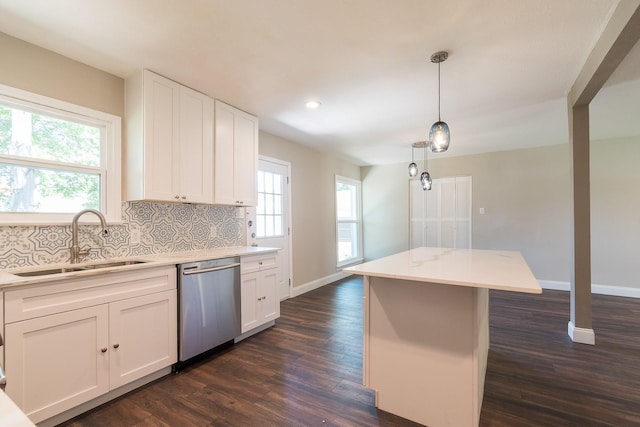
{"points": [[312, 105]]}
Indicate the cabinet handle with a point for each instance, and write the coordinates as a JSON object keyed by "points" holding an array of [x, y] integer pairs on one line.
{"points": [[177, 197], [116, 345], [184, 197], [103, 350], [260, 263]]}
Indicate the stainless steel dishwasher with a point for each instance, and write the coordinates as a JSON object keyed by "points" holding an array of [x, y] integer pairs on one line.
{"points": [[209, 293]]}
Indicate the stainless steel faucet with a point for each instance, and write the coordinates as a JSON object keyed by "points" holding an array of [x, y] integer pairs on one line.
{"points": [[75, 248]]}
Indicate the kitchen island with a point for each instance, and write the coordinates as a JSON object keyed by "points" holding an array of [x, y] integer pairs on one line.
{"points": [[426, 329]]}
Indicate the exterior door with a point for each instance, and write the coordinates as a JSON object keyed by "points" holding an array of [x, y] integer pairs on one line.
{"points": [[269, 223]]}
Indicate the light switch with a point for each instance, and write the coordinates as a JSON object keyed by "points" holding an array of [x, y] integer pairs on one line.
{"points": [[481, 211]]}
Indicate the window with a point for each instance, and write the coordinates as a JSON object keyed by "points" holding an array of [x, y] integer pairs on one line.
{"points": [[348, 221], [56, 159], [269, 212]]}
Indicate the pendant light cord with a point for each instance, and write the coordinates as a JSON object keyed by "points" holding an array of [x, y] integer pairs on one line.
{"points": [[439, 91]]}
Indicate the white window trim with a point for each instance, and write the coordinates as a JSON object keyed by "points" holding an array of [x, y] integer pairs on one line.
{"points": [[112, 191], [358, 184]]}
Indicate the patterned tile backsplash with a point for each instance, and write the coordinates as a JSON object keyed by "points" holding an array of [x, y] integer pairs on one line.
{"points": [[162, 227]]}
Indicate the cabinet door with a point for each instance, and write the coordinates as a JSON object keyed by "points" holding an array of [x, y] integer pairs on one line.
{"points": [[245, 159], [57, 362], [236, 156], [196, 147], [269, 303], [259, 298], [142, 336], [250, 304], [224, 155], [162, 170]]}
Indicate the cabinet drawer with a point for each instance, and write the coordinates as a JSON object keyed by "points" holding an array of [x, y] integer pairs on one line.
{"points": [[70, 294], [258, 263]]}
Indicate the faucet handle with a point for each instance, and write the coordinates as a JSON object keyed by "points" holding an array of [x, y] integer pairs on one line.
{"points": [[104, 233]]}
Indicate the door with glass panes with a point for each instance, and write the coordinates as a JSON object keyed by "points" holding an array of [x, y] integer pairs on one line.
{"points": [[269, 222]]}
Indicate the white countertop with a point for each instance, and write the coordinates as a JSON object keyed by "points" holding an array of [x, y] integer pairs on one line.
{"points": [[9, 279], [503, 270], [11, 415]]}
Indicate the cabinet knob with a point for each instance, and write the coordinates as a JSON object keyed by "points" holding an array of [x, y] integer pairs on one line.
{"points": [[184, 197], [116, 345], [103, 350], [177, 197]]}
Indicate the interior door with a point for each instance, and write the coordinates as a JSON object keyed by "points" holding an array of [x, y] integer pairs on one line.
{"points": [[441, 217], [269, 223]]}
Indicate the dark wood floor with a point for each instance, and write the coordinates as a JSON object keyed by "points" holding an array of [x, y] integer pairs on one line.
{"points": [[306, 371]]}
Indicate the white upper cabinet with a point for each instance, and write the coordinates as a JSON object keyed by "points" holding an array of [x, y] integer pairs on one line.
{"points": [[236, 156], [169, 148]]}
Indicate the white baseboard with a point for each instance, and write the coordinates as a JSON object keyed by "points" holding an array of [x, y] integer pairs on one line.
{"points": [[315, 284], [619, 291], [581, 335]]}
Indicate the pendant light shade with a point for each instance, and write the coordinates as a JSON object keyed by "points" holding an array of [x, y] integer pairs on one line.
{"points": [[413, 167], [425, 180], [439, 135]]}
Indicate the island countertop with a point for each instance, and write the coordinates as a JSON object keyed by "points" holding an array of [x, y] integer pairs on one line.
{"points": [[501, 270]]}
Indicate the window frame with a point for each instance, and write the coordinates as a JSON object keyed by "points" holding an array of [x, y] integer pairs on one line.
{"points": [[110, 154], [358, 221]]}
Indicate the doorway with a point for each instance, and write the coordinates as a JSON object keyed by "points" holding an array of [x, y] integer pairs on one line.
{"points": [[269, 223]]}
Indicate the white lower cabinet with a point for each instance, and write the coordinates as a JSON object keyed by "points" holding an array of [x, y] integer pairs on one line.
{"points": [[55, 362], [142, 336], [259, 291]]}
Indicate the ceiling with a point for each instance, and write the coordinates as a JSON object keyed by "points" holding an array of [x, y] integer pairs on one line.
{"points": [[511, 64]]}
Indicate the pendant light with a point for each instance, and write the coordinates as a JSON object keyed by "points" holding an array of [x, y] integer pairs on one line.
{"points": [[413, 167], [439, 135], [425, 178]]}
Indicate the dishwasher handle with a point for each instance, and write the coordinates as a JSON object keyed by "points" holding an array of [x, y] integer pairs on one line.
{"points": [[198, 270]]}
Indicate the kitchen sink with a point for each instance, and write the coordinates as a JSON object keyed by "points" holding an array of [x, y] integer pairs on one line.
{"points": [[110, 264], [49, 271], [84, 267]]}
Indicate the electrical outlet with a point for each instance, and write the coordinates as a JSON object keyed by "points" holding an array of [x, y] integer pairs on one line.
{"points": [[213, 232], [135, 236]]}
